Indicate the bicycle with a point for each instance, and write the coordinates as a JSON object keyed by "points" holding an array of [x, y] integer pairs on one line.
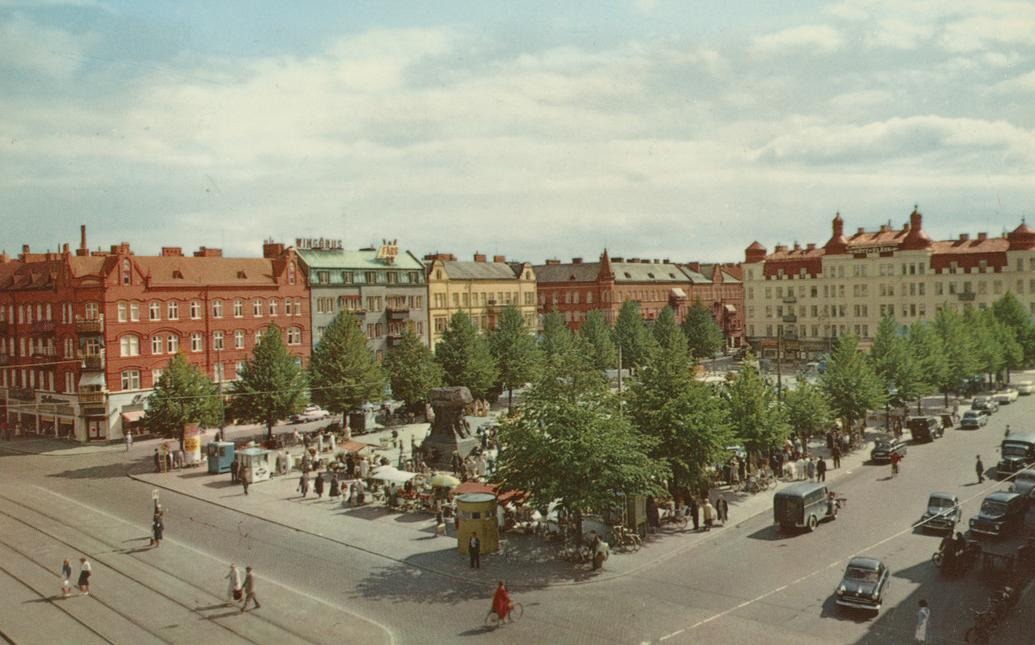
{"points": [[677, 518], [985, 624], [492, 619], [625, 540], [576, 553]]}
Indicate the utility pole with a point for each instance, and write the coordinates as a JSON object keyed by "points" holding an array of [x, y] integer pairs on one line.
{"points": [[779, 371]]}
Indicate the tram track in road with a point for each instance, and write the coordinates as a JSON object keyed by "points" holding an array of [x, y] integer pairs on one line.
{"points": [[107, 562]]}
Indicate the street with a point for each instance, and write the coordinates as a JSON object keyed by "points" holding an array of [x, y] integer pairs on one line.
{"points": [[740, 584]]}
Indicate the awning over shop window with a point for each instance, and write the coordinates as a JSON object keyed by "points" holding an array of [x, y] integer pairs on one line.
{"points": [[678, 293], [132, 417], [730, 309], [92, 378]]}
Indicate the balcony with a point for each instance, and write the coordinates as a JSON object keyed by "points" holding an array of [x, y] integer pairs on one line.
{"points": [[45, 355], [358, 313], [966, 296], [398, 313], [43, 328], [92, 362], [89, 325], [790, 318], [789, 300], [86, 396]]}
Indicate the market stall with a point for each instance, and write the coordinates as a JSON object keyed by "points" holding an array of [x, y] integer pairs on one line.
{"points": [[256, 463]]}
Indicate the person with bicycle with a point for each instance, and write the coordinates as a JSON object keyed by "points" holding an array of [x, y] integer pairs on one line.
{"points": [[501, 602], [895, 459]]}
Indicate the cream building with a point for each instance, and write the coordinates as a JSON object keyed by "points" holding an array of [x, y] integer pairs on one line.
{"points": [[805, 297], [479, 288]]}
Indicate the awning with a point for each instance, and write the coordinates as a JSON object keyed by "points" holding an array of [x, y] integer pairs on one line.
{"points": [[92, 378], [390, 474], [355, 446], [132, 417], [730, 309], [473, 486], [678, 293]]}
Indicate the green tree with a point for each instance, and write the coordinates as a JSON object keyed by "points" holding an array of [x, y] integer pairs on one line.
{"points": [[556, 339], [705, 337], [571, 443], [272, 385], [926, 346], [515, 351], [990, 358], [343, 374], [1011, 313], [412, 371], [895, 364], [631, 335], [665, 330], [756, 417], [598, 335], [465, 357], [685, 418], [182, 395], [808, 409], [850, 382], [1010, 347], [960, 351]]}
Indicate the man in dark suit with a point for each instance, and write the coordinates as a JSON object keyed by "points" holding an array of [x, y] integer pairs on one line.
{"points": [[474, 550]]}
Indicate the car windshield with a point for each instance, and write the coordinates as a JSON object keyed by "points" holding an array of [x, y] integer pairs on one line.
{"points": [[1027, 478], [884, 443], [1014, 450], [970, 415], [940, 502], [993, 508], [860, 574]]}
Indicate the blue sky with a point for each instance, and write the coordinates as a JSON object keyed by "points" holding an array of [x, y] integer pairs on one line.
{"points": [[534, 130]]}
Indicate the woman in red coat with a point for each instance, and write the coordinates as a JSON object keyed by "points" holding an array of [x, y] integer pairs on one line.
{"points": [[501, 604]]}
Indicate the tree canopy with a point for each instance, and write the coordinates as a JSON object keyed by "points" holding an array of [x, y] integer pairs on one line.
{"points": [[599, 337], [465, 358], [182, 395], [272, 386], [412, 370], [850, 382], [515, 351], [631, 335], [703, 334], [895, 364], [756, 417], [343, 374], [808, 409]]}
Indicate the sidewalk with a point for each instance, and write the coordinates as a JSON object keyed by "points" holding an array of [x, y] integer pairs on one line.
{"points": [[409, 539]]}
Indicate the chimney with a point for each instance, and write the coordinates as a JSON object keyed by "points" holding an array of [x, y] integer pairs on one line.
{"points": [[271, 249], [65, 248], [25, 249], [666, 261], [884, 228], [205, 252], [694, 266], [499, 258], [780, 248], [982, 237], [83, 250], [479, 257], [811, 246], [964, 237], [860, 231], [797, 246], [576, 260]]}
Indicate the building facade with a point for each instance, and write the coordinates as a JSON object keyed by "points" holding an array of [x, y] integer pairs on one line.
{"points": [[86, 336], [385, 289], [722, 291], [803, 298], [479, 288]]}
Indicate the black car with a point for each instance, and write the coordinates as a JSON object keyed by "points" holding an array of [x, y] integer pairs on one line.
{"points": [[925, 428], [1001, 513], [974, 419], [942, 514], [986, 403], [884, 448], [864, 584]]}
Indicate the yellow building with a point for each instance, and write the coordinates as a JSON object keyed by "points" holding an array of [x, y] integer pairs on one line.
{"points": [[480, 288]]}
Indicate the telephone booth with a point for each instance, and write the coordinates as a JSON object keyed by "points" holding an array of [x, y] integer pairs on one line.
{"points": [[220, 456]]}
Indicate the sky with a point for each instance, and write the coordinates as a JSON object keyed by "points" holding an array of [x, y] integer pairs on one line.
{"points": [[528, 129]]}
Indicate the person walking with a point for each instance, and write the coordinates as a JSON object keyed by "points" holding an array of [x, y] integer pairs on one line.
{"points": [[303, 485], [318, 485], [980, 468], [129, 440], [810, 469], [233, 588], [158, 461], [821, 469], [923, 617], [835, 453], [249, 590], [244, 481], [66, 579], [722, 509], [709, 515], [234, 465], [601, 551], [157, 531], [474, 548], [695, 513], [335, 490], [85, 571]]}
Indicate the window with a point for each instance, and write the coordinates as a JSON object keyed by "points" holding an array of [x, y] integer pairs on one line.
{"points": [[134, 311], [217, 308], [156, 344], [129, 345], [195, 309], [173, 310], [131, 380], [217, 372], [348, 277], [156, 375], [172, 343], [196, 343], [239, 368], [69, 348], [154, 310], [126, 279], [122, 308], [239, 339], [294, 336], [217, 340], [273, 306], [238, 308], [258, 336], [257, 307], [92, 311], [323, 277]]}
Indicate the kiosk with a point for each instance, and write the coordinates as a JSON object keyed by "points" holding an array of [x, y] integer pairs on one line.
{"points": [[476, 513], [256, 463], [220, 456]]}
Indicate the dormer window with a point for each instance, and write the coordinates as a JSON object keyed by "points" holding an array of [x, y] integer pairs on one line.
{"points": [[177, 274], [241, 275], [126, 272], [650, 275], [629, 277]]}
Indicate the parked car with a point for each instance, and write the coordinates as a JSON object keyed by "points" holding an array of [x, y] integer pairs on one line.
{"points": [[1024, 484], [925, 428], [1017, 451], [942, 514], [310, 413], [884, 448], [1006, 397], [863, 584], [986, 403], [1024, 388], [974, 419], [1001, 513], [803, 505]]}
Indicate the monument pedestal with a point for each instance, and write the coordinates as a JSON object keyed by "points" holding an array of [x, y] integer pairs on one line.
{"points": [[449, 431]]}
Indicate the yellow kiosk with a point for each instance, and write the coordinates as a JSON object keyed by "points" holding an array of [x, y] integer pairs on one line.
{"points": [[476, 513]]}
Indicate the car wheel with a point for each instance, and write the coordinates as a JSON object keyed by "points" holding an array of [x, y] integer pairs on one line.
{"points": [[813, 522]]}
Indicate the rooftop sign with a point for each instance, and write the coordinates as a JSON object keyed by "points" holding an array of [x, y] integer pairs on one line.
{"points": [[318, 244]]}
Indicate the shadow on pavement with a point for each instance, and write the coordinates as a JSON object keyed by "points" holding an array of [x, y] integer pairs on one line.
{"points": [[109, 471], [832, 610]]}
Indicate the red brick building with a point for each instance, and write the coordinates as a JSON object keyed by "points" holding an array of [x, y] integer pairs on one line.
{"points": [[86, 335], [578, 287]]}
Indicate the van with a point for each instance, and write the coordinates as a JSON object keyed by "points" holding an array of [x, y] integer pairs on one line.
{"points": [[803, 505], [1016, 452], [925, 428]]}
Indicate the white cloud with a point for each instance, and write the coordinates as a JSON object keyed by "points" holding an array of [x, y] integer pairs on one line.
{"points": [[28, 46], [899, 34], [1023, 84], [803, 39]]}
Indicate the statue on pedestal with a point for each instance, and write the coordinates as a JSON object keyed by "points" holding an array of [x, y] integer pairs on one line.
{"points": [[450, 431]]}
